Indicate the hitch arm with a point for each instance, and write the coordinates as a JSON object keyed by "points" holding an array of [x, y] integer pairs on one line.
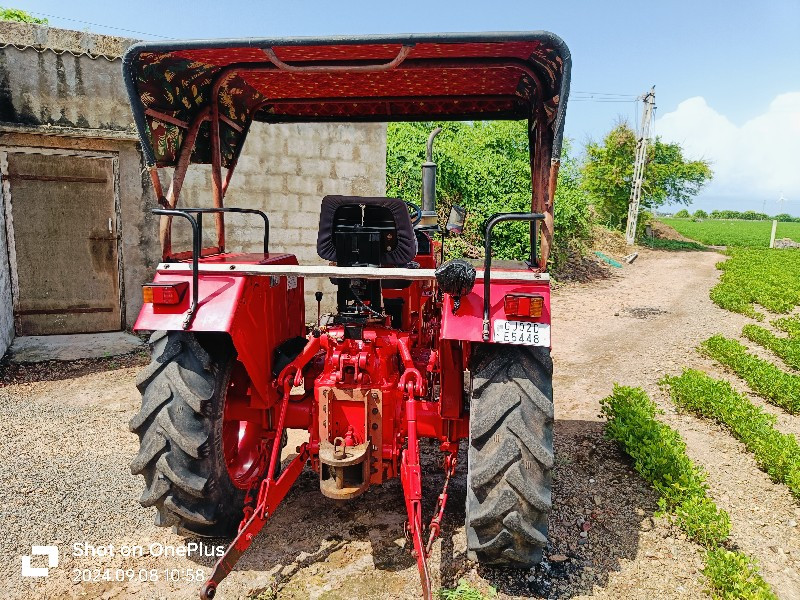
{"points": [[274, 496], [411, 478], [270, 494]]}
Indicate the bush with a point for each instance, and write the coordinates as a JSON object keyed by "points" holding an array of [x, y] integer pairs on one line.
{"points": [[484, 166], [734, 576], [787, 348], [700, 214], [776, 453], [776, 386], [682, 214], [659, 455]]}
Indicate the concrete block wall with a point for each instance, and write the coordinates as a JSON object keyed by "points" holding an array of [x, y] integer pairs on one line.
{"points": [[286, 170]]}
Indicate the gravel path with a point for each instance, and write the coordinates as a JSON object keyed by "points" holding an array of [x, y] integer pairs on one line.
{"points": [[65, 449]]}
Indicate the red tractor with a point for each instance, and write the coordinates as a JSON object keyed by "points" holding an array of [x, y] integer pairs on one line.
{"points": [[416, 349]]}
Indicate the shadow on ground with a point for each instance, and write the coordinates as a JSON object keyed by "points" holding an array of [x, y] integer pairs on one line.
{"points": [[595, 491], [57, 370]]}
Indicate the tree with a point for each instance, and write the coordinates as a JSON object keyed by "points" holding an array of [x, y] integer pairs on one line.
{"points": [[608, 174], [484, 166], [19, 16], [682, 214], [700, 214]]}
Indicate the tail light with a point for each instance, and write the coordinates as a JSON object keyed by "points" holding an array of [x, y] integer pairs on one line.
{"points": [[523, 305], [164, 292]]}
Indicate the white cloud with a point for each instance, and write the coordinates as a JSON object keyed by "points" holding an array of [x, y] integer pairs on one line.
{"points": [[758, 160]]}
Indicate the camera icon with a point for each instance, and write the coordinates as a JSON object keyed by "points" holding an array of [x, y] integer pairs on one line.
{"points": [[51, 552]]}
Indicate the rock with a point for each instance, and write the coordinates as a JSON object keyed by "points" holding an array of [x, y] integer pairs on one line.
{"points": [[584, 534], [792, 523], [582, 542], [557, 558], [598, 500]]}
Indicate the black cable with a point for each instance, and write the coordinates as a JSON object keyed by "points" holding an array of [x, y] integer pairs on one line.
{"points": [[360, 303]]}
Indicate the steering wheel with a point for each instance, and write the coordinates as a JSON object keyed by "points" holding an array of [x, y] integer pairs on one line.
{"points": [[415, 212]]}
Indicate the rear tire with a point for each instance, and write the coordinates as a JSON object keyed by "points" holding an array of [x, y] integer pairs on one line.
{"points": [[510, 454], [180, 435]]}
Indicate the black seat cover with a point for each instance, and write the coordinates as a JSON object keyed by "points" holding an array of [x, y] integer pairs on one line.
{"points": [[406, 247]]}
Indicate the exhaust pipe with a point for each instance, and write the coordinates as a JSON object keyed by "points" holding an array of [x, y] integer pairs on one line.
{"points": [[430, 220]]}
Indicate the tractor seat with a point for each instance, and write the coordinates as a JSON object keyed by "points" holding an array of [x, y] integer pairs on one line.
{"points": [[365, 231]]}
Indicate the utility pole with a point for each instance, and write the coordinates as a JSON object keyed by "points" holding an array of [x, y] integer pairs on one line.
{"points": [[649, 100]]}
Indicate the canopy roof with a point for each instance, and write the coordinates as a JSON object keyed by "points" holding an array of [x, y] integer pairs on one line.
{"points": [[373, 78]]}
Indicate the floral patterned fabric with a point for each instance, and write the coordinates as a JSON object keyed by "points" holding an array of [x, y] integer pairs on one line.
{"points": [[172, 85]]}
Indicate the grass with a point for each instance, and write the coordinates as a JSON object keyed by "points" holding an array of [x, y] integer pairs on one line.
{"points": [[776, 386], [674, 245], [766, 277], [776, 453], [659, 455], [786, 348], [729, 232], [791, 325]]}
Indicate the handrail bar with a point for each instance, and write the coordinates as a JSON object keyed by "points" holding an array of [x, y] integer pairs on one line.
{"points": [[196, 248], [487, 261]]}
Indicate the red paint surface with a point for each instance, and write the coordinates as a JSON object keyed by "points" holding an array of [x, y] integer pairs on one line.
{"points": [[467, 323], [237, 304]]}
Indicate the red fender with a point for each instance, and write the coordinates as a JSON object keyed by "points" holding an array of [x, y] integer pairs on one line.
{"points": [[467, 323], [257, 312]]}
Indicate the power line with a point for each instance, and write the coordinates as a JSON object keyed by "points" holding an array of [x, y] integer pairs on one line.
{"points": [[98, 25]]}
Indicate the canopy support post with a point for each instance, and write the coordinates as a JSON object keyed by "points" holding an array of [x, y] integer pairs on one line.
{"points": [[178, 176], [541, 181], [216, 160]]}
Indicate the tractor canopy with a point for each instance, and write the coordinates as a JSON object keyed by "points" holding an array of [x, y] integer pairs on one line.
{"points": [[203, 89]]}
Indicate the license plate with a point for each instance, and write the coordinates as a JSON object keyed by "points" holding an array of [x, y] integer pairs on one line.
{"points": [[521, 332]]}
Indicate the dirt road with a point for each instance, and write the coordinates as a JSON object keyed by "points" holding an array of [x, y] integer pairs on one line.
{"points": [[65, 449]]}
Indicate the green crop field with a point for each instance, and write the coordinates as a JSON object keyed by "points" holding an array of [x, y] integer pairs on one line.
{"points": [[770, 278], [727, 232]]}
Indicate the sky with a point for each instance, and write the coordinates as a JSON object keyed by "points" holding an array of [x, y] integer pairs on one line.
{"points": [[727, 73]]}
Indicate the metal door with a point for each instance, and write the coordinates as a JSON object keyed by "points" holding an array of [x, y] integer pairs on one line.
{"points": [[62, 217]]}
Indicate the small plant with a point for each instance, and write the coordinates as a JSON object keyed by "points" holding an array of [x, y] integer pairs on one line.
{"points": [[659, 455], [787, 348], [776, 453], [734, 576], [791, 325], [465, 591], [776, 386]]}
